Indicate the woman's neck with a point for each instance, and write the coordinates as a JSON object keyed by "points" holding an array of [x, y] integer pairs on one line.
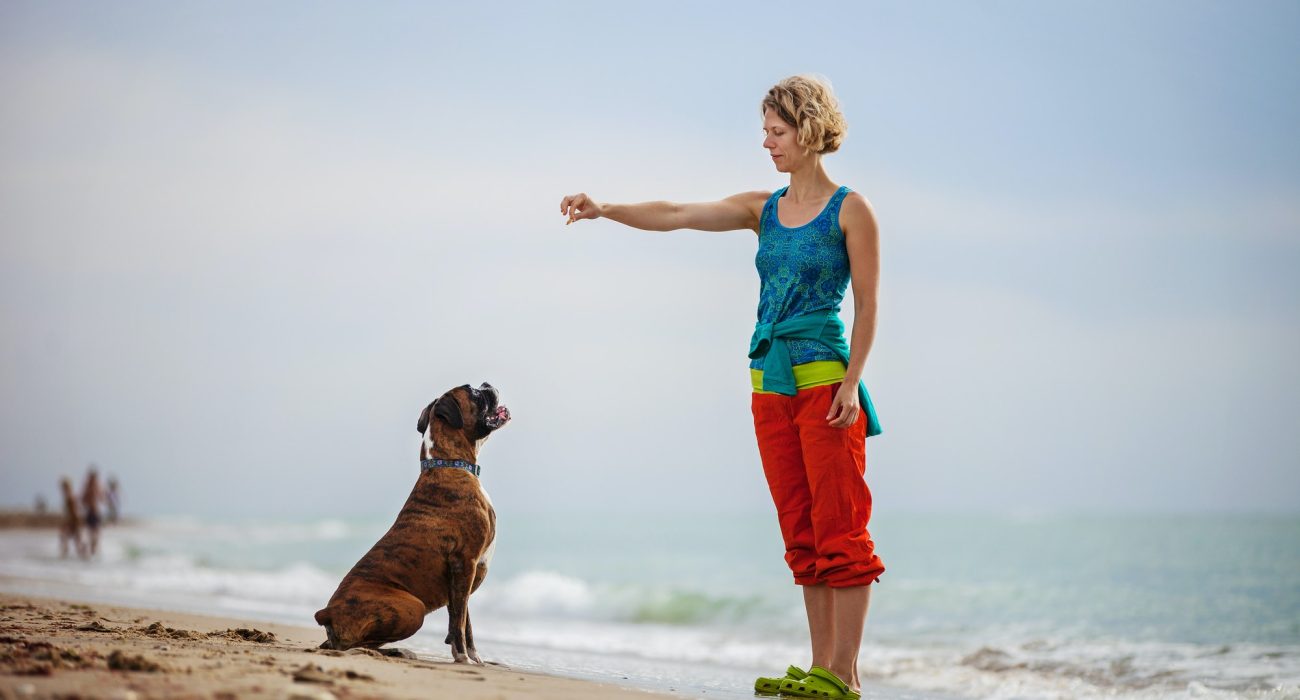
{"points": [[810, 183]]}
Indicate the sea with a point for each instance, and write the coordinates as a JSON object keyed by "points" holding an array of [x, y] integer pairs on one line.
{"points": [[970, 606]]}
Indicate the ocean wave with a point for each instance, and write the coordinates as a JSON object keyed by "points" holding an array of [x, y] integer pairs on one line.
{"points": [[1088, 669], [254, 531], [549, 594], [124, 566]]}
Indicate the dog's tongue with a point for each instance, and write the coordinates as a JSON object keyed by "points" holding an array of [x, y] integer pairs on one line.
{"points": [[500, 417]]}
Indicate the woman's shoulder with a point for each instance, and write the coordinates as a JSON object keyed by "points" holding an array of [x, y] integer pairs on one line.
{"points": [[757, 202], [853, 199], [765, 198], [856, 213]]}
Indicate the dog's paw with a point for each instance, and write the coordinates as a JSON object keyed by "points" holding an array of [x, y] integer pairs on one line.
{"points": [[473, 656]]}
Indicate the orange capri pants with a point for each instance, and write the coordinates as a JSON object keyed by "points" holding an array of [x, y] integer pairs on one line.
{"points": [[817, 477]]}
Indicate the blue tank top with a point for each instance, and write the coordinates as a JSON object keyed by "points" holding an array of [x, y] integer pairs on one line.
{"points": [[801, 270]]}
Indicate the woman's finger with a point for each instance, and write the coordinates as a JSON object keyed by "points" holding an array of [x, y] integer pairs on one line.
{"points": [[848, 416]]}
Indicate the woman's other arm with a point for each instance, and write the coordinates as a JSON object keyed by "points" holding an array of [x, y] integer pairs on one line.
{"points": [[862, 241]]}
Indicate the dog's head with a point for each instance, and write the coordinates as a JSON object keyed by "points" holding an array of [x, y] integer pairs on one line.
{"points": [[473, 413]]}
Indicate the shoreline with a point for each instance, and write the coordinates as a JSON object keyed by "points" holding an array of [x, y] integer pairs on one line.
{"points": [[55, 647]]}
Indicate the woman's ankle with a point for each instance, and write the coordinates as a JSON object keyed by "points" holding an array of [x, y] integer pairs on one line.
{"points": [[845, 673]]}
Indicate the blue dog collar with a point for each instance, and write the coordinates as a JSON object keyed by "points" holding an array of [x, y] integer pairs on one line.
{"points": [[427, 464]]}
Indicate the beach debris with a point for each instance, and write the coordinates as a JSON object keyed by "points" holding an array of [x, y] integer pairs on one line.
{"points": [[121, 661], [245, 634], [157, 629], [93, 626], [398, 653], [23, 658], [34, 668], [359, 651], [311, 673]]}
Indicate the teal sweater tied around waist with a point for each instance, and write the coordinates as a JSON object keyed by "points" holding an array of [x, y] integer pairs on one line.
{"points": [[826, 327]]}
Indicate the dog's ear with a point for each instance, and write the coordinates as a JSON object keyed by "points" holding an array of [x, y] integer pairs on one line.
{"points": [[448, 409], [424, 419]]}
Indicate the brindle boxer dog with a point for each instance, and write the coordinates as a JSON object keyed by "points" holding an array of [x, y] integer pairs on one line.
{"points": [[437, 552]]}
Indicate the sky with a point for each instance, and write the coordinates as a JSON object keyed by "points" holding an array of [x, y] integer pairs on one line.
{"points": [[242, 245]]}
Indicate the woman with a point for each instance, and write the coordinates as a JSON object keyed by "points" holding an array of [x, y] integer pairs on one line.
{"points": [[91, 495], [70, 527], [811, 413]]}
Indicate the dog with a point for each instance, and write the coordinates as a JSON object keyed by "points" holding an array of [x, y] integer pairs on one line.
{"points": [[437, 552]]}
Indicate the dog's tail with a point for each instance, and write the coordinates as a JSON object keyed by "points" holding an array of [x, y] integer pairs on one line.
{"points": [[326, 618]]}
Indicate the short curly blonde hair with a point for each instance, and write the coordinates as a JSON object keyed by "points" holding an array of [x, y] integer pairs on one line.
{"points": [[807, 103]]}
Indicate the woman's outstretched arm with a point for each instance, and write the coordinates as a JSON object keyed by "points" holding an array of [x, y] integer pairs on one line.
{"points": [[737, 212]]}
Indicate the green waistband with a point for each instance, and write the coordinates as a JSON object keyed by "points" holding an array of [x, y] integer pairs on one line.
{"points": [[808, 374]]}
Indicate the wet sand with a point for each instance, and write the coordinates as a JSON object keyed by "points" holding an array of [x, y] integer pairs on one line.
{"points": [[61, 649]]}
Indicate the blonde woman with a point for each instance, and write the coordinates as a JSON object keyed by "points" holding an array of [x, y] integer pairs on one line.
{"points": [[812, 414]]}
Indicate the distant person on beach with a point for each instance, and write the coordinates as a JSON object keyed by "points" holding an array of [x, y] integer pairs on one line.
{"points": [[70, 528], [91, 495], [811, 412], [112, 500]]}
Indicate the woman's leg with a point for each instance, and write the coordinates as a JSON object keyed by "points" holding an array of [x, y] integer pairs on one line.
{"points": [[841, 508], [836, 618], [850, 605], [782, 456], [818, 600]]}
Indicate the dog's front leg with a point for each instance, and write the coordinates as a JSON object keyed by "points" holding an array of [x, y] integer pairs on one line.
{"points": [[459, 582]]}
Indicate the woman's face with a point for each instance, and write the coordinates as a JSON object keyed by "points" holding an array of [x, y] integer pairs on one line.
{"points": [[782, 142]]}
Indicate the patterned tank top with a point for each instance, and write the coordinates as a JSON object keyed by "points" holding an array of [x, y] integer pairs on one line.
{"points": [[801, 270]]}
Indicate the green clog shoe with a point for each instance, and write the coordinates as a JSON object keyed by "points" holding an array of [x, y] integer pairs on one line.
{"points": [[772, 686], [819, 683]]}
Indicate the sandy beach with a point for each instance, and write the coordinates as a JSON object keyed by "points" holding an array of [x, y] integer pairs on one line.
{"points": [[62, 649]]}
